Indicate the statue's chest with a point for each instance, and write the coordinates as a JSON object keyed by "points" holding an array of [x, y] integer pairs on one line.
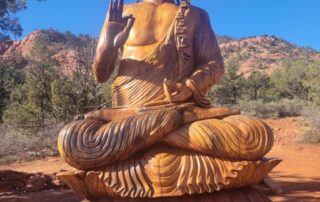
{"points": [[151, 26]]}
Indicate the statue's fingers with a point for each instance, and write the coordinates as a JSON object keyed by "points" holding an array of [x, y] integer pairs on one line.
{"points": [[130, 22], [177, 98], [115, 10], [125, 20], [179, 86], [115, 5], [174, 93], [167, 91], [169, 83], [110, 11], [120, 8], [123, 36]]}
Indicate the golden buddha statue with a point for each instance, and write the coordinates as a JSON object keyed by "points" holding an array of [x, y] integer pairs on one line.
{"points": [[162, 137]]}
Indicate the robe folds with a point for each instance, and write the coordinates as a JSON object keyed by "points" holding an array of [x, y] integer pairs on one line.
{"points": [[154, 153]]}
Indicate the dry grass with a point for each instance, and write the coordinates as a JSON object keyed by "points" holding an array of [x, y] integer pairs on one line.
{"points": [[288, 108], [312, 135], [16, 146]]}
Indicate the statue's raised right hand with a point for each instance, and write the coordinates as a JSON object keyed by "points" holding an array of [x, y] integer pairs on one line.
{"points": [[117, 27]]}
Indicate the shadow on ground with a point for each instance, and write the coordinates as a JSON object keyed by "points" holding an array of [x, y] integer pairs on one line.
{"points": [[297, 188], [61, 195]]}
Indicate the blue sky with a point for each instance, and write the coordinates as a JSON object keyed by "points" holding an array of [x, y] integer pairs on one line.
{"points": [[297, 21]]}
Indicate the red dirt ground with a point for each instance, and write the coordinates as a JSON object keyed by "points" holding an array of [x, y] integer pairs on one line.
{"points": [[298, 174]]}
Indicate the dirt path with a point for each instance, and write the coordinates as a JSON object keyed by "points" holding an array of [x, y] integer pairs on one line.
{"points": [[298, 174]]}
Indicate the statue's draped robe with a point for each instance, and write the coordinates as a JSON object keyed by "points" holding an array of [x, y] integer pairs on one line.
{"points": [[153, 154], [188, 52]]}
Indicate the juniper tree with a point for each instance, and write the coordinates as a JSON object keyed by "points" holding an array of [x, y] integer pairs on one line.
{"points": [[257, 84], [230, 89]]}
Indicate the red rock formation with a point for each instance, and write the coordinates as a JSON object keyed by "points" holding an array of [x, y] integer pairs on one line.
{"points": [[264, 53]]}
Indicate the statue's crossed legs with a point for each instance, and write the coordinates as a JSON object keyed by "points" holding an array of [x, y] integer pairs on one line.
{"points": [[166, 152]]}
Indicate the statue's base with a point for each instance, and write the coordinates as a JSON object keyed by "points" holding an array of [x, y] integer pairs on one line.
{"points": [[234, 195]]}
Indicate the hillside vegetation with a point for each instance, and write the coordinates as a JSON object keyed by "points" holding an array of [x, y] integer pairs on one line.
{"points": [[46, 80], [264, 53]]}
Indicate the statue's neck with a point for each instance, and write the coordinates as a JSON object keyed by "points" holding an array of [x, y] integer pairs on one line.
{"points": [[158, 2]]}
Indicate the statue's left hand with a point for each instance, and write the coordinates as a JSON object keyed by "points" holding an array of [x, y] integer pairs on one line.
{"points": [[176, 92]]}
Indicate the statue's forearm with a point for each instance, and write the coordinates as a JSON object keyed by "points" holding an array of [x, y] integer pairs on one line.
{"points": [[104, 63], [203, 78], [106, 53], [208, 74]]}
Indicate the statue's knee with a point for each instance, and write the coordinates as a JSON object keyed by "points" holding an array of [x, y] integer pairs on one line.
{"points": [[255, 136], [77, 139]]}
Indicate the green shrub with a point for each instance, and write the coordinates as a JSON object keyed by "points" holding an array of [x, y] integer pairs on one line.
{"points": [[282, 108], [291, 108], [258, 109], [23, 117], [312, 116]]}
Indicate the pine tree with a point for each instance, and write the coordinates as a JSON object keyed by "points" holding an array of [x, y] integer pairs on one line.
{"points": [[9, 78], [257, 84], [63, 99], [312, 81], [38, 83], [32, 99], [290, 82], [231, 87]]}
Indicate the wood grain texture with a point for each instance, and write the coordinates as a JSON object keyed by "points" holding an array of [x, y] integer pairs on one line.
{"points": [[235, 137], [162, 138], [91, 143], [156, 154], [235, 195], [164, 171]]}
